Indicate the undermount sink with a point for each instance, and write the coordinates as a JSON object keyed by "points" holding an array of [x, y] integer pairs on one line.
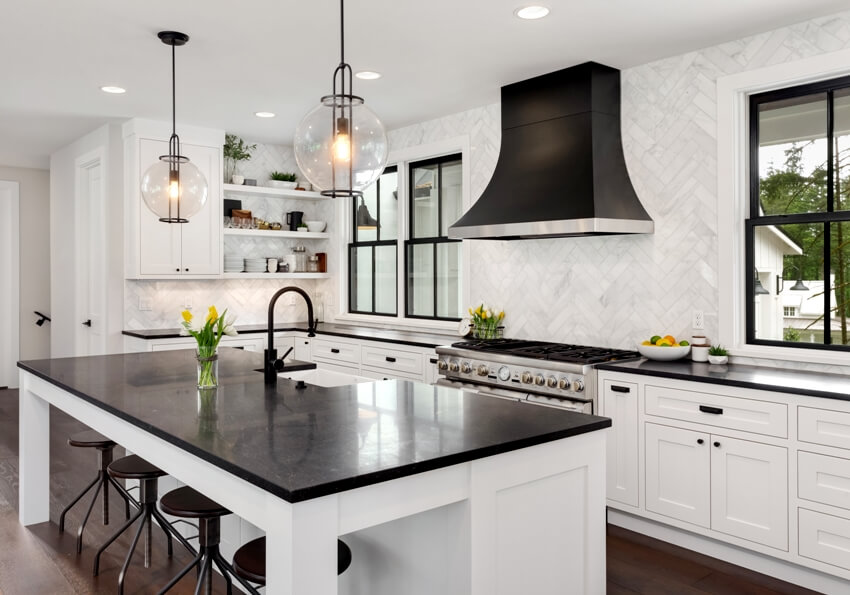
{"points": [[326, 378]]}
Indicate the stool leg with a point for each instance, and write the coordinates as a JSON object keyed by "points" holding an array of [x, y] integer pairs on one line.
{"points": [[122, 576], [86, 519], [74, 501], [169, 531], [128, 498], [227, 571], [104, 456], [206, 574], [113, 538], [182, 573]]}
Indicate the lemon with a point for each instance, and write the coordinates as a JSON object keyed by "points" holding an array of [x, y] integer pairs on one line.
{"points": [[646, 343], [664, 343]]}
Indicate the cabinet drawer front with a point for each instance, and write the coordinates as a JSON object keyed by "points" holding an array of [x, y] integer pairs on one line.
{"points": [[824, 538], [821, 426], [391, 359], [735, 413], [823, 479], [379, 374], [336, 351]]}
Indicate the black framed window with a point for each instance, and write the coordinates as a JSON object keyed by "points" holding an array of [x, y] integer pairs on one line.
{"points": [[433, 262], [373, 253], [798, 230]]}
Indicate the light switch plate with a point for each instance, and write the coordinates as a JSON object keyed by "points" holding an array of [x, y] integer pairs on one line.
{"points": [[145, 305]]}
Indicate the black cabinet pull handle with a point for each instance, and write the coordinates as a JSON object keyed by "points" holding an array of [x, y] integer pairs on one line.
{"points": [[87, 323], [700, 440], [334, 350], [620, 389], [717, 444], [713, 410], [433, 360], [390, 359]]}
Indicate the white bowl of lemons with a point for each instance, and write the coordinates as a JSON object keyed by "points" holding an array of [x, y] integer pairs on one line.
{"points": [[664, 348]]}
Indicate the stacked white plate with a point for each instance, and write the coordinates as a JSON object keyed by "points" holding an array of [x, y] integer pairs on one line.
{"points": [[255, 265], [233, 264]]}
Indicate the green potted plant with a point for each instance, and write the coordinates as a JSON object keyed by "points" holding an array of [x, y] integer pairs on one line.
{"points": [[235, 150], [717, 355], [278, 179]]}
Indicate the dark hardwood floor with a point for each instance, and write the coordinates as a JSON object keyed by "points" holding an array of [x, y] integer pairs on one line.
{"points": [[39, 560]]}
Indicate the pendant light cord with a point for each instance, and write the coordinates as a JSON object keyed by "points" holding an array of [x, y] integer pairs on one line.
{"points": [[173, 90], [341, 32]]}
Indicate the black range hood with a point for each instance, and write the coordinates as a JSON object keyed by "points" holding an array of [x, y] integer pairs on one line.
{"points": [[561, 170]]}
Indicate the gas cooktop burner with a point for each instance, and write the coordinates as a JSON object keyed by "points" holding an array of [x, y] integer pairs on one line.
{"points": [[542, 350]]}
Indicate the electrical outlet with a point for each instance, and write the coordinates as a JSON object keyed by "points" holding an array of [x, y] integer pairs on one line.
{"points": [[187, 303], [290, 299], [698, 322], [145, 305]]}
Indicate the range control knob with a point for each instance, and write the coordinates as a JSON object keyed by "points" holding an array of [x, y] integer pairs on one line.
{"points": [[482, 370], [526, 377], [539, 380], [465, 367], [578, 385], [564, 383], [453, 366], [551, 382], [442, 364]]}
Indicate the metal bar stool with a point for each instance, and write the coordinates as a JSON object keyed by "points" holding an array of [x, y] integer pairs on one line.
{"points": [[134, 467], [104, 446], [188, 503], [249, 561]]}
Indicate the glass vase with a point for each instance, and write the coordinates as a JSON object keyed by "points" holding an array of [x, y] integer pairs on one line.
{"points": [[487, 332], [207, 367]]}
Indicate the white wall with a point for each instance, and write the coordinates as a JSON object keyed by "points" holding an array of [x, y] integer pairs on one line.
{"points": [[63, 215], [34, 185]]}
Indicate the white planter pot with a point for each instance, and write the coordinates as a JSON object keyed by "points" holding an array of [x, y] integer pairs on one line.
{"points": [[718, 359], [280, 184]]}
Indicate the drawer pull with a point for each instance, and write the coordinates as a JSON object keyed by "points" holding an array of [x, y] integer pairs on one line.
{"points": [[433, 360], [717, 444], [391, 359], [713, 410], [700, 440], [334, 350], [620, 389]]}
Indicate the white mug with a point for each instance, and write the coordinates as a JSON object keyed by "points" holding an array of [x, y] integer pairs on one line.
{"points": [[272, 265], [699, 353]]}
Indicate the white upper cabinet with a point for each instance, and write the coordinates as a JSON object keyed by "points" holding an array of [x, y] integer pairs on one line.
{"points": [[161, 250]]}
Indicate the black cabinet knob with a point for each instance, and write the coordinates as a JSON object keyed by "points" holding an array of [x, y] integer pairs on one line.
{"points": [[700, 441], [187, 270], [717, 444], [334, 350], [178, 270]]}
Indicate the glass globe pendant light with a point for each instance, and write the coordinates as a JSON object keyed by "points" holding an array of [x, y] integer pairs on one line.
{"points": [[173, 188], [341, 145]]}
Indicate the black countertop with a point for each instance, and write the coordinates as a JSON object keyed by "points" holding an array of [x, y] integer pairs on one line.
{"points": [[798, 382], [306, 443], [414, 338]]}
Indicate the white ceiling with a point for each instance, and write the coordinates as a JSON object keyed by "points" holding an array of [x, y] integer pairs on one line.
{"points": [[437, 56]]}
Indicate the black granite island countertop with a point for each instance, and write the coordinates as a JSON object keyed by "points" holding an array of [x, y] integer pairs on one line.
{"points": [[798, 382], [305, 443], [401, 337]]}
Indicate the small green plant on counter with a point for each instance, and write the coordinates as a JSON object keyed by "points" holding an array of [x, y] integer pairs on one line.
{"points": [[235, 150], [717, 350], [281, 176], [301, 225]]}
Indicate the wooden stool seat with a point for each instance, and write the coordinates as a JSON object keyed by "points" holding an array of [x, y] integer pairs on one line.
{"points": [[249, 561], [90, 439], [134, 467], [188, 503]]}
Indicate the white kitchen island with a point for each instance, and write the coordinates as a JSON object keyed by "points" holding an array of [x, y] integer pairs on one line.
{"points": [[308, 465]]}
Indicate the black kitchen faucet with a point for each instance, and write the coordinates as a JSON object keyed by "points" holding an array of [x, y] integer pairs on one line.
{"points": [[272, 364]]}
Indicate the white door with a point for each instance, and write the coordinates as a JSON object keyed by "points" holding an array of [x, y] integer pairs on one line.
{"points": [[9, 284], [620, 402], [90, 259], [678, 474], [201, 236], [749, 485], [159, 249]]}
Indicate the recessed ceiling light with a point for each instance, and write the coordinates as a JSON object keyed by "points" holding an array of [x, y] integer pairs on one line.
{"points": [[531, 13], [368, 75], [113, 89], [264, 114]]}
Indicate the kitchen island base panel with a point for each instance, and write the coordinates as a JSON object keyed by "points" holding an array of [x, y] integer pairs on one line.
{"points": [[791, 573], [535, 510]]}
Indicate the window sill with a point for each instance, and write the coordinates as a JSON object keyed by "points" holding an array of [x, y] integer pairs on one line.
{"points": [[789, 354], [436, 326]]}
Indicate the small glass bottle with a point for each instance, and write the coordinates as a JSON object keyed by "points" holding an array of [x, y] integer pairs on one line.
{"points": [[300, 259], [312, 264]]}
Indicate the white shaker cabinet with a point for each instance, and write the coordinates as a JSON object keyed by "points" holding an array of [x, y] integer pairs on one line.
{"points": [[619, 401], [678, 483], [157, 250]]}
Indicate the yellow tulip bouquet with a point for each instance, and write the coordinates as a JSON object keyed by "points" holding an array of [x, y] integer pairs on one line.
{"points": [[207, 333], [486, 322]]}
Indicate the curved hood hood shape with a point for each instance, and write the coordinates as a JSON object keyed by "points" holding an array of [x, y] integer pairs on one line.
{"points": [[561, 170]]}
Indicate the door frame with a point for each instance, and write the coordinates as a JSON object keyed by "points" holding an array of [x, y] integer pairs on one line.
{"points": [[10, 281]]}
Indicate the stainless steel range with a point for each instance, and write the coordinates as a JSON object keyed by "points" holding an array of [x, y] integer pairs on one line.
{"points": [[549, 374]]}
